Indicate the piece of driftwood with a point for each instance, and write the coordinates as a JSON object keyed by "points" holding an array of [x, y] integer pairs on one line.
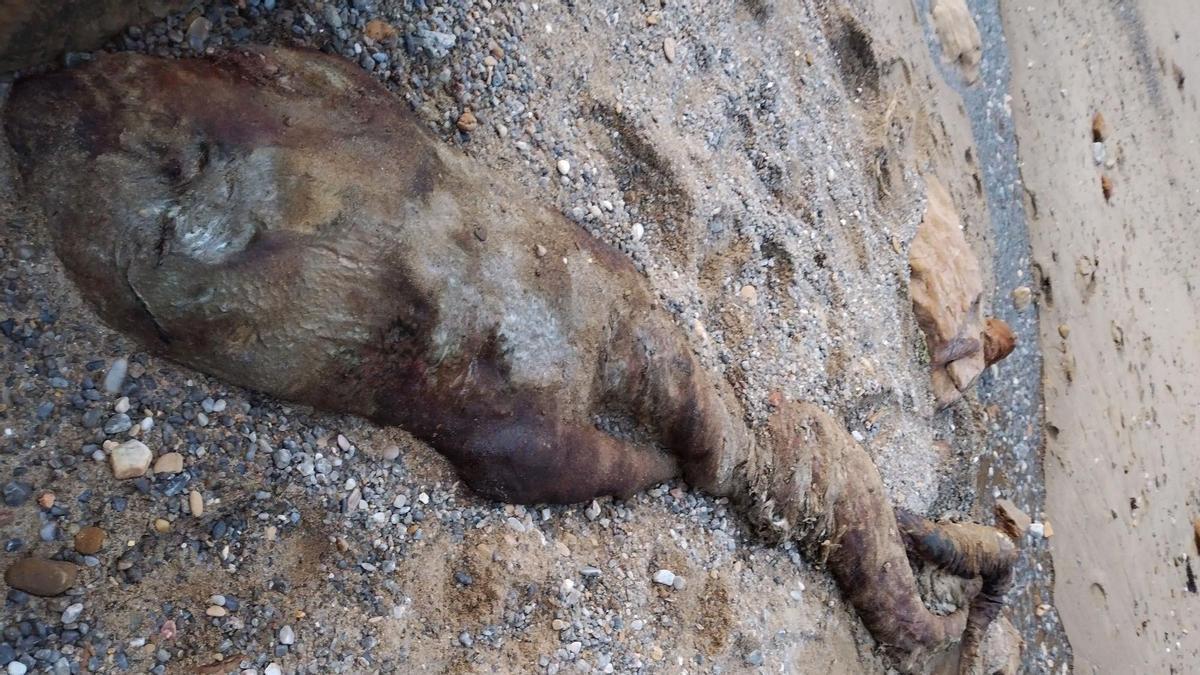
{"points": [[278, 219]]}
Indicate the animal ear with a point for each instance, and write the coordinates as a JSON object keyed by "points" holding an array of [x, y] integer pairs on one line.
{"points": [[998, 340]]}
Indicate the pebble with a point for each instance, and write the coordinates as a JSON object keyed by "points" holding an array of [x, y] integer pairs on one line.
{"points": [[171, 462], [16, 493], [72, 613], [1021, 296], [196, 503], [38, 576], [273, 669], [130, 459], [90, 540], [515, 525], [467, 122], [216, 611], [116, 376], [17, 668], [118, 423], [287, 636], [162, 525], [197, 33], [122, 405], [755, 658], [669, 49], [563, 166], [391, 452], [637, 231], [664, 577], [465, 639]]}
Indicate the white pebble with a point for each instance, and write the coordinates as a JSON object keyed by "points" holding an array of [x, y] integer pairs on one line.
{"points": [[130, 460], [564, 167], [287, 636], [638, 231], [664, 577], [273, 669], [1037, 529], [17, 668], [122, 405]]}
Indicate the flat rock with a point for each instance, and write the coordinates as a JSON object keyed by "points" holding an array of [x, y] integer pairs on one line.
{"points": [[130, 459], [958, 35], [38, 576], [171, 462], [946, 288]]}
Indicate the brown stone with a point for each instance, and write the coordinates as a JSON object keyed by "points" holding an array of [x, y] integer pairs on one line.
{"points": [[380, 30], [467, 122], [38, 576], [1099, 128], [196, 503], [90, 540], [998, 340]]}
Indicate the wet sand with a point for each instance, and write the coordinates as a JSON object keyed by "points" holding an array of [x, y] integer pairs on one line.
{"points": [[1120, 321]]}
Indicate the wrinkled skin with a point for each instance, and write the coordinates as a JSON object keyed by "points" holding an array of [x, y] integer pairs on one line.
{"points": [[275, 218]]}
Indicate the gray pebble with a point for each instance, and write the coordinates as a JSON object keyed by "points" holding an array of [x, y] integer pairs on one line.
{"points": [[118, 423], [72, 613], [116, 376]]}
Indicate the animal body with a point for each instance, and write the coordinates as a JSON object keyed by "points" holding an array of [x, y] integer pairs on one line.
{"points": [[277, 219]]}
